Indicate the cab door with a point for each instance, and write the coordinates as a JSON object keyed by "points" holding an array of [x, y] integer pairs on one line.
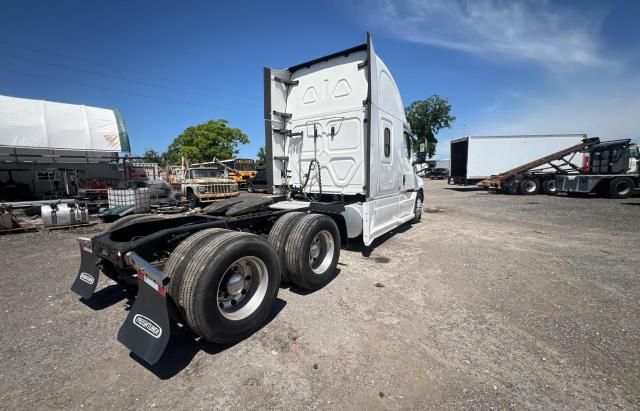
{"points": [[409, 182]]}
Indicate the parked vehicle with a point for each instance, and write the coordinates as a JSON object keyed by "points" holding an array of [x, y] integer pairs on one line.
{"points": [[476, 158], [206, 185], [439, 174], [259, 182], [611, 168], [339, 177], [244, 169], [608, 168]]}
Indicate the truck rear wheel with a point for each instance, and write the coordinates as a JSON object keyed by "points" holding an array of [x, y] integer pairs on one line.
{"points": [[279, 234], [530, 186], [621, 187], [180, 257], [549, 187], [229, 286], [312, 251]]}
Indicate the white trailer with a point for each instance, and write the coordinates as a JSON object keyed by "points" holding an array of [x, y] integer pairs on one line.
{"points": [[476, 158]]}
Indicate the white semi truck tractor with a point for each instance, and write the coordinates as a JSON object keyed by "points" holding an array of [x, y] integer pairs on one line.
{"points": [[340, 167]]}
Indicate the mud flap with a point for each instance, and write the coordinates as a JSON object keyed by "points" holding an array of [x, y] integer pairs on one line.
{"points": [[88, 274], [146, 330]]}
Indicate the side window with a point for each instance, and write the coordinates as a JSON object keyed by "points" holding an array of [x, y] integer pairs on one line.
{"points": [[407, 145], [387, 142]]}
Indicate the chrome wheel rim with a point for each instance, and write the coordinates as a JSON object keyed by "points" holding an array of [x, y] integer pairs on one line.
{"points": [[242, 288], [623, 188], [551, 186], [321, 252], [419, 207], [529, 186]]}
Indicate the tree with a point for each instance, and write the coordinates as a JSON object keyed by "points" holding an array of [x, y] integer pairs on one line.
{"points": [[426, 118], [152, 156], [213, 139], [262, 157]]}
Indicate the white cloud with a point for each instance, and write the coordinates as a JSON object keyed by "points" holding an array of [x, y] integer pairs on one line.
{"points": [[533, 30], [588, 89], [609, 109]]}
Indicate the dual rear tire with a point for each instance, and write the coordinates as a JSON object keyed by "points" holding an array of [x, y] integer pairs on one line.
{"points": [[308, 247], [224, 283], [532, 186]]}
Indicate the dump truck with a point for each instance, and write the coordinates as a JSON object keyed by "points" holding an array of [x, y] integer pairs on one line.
{"points": [[339, 160]]}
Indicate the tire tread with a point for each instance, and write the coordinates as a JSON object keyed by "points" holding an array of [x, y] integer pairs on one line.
{"points": [[179, 258], [279, 234], [193, 272]]}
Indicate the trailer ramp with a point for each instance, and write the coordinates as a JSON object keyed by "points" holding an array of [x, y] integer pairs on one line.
{"points": [[543, 163]]}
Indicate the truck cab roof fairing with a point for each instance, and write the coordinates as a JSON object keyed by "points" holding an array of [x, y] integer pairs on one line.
{"points": [[331, 98]]}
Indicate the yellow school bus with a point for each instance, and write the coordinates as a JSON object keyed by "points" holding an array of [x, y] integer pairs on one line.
{"points": [[245, 169]]}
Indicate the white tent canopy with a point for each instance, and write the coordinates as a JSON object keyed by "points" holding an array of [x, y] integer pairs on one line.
{"points": [[46, 125]]}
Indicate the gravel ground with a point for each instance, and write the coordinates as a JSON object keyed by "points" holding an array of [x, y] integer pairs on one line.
{"points": [[491, 301]]}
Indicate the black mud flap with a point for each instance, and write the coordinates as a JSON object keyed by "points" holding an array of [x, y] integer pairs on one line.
{"points": [[88, 274], [146, 330]]}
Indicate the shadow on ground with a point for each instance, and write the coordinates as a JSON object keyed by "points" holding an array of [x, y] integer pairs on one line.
{"points": [[466, 189], [357, 244], [184, 345], [108, 296], [305, 291]]}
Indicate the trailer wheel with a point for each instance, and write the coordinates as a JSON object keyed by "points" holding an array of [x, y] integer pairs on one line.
{"points": [[312, 251], [250, 188], [549, 187], [229, 286], [621, 187], [529, 186], [417, 209], [180, 257], [278, 237], [128, 220]]}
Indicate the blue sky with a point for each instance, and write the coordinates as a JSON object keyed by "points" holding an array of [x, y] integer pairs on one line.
{"points": [[530, 66]]}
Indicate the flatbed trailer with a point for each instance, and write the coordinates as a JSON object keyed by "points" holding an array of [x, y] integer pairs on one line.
{"points": [[340, 162]]}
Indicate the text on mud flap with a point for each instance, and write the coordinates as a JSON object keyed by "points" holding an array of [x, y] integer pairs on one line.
{"points": [[87, 278], [147, 325]]}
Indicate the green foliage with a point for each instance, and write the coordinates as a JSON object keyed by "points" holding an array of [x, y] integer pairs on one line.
{"points": [[152, 156], [426, 118], [206, 141], [262, 157]]}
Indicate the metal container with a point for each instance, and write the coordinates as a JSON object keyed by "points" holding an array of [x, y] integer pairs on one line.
{"points": [[64, 214]]}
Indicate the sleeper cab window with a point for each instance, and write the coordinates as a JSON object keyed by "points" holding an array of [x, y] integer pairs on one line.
{"points": [[387, 142]]}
